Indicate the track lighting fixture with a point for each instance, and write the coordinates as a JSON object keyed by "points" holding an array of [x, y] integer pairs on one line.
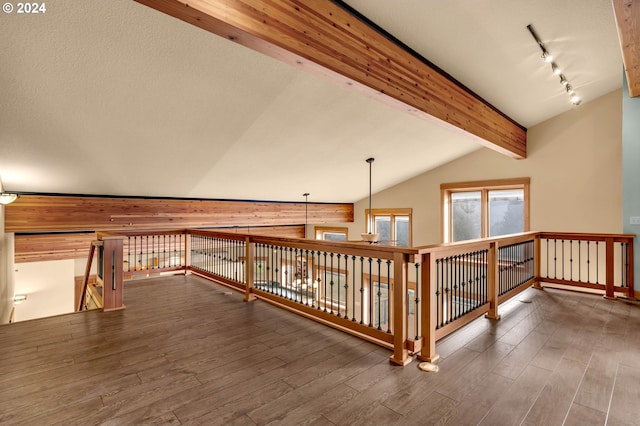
{"points": [[547, 57]]}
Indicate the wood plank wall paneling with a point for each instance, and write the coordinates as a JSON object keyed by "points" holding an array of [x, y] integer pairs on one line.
{"points": [[42, 247], [325, 38], [627, 14], [51, 213]]}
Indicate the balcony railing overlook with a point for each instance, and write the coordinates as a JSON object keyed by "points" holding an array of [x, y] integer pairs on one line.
{"points": [[404, 299]]}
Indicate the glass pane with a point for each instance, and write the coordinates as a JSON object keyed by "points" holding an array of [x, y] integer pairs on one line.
{"points": [[466, 216], [506, 212], [383, 227], [402, 231], [335, 236]]}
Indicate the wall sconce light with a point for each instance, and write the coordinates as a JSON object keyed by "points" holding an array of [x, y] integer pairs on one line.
{"points": [[546, 56], [8, 198], [19, 298]]}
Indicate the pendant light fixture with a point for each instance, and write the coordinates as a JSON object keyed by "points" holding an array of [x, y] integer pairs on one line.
{"points": [[370, 236]]}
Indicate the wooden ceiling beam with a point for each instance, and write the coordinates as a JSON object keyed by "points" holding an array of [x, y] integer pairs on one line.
{"points": [[627, 13], [324, 38]]}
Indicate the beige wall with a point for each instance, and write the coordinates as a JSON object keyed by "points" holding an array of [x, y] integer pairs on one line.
{"points": [[574, 162]]}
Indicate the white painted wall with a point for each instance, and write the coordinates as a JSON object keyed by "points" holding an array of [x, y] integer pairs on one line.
{"points": [[49, 287], [6, 270]]}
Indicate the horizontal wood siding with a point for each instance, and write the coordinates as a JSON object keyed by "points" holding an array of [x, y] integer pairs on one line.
{"points": [[50, 213], [40, 247]]}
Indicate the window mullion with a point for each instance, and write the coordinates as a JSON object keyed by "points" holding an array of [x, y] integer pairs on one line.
{"points": [[484, 202]]}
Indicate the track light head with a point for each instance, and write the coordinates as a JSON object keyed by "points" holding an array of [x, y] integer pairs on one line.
{"points": [[546, 56], [556, 69]]}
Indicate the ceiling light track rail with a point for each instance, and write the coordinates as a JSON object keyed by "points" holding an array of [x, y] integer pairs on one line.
{"points": [[547, 57]]}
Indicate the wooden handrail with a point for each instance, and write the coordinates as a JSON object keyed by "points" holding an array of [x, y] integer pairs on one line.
{"points": [[87, 273]]}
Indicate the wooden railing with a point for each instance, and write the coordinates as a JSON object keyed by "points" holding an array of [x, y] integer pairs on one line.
{"points": [[401, 298], [602, 262], [461, 281], [356, 287]]}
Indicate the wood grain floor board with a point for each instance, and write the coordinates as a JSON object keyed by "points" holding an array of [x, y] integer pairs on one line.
{"points": [[555, 400], [597, 385], [579, 415], [478, 400], [187, 351], [625, 401], [513, 406]]}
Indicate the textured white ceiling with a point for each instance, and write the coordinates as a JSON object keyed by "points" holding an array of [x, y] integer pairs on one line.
{"points": [[116, 98]]}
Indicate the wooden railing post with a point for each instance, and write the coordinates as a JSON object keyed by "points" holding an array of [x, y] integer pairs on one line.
{"points": [[631, 293], [537, 253], [400, 273], [609, 291], [492, 282], [249, 252], [428, 320], [113, 273], [85, 281], [187, 251]]}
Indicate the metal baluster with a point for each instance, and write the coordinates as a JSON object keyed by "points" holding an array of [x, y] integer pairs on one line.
{"points": [[597, 263], [571, 258], [483, 277], [324, 292], [314, 278], [338, 283], [331, 283], [353, 289], [417, 301], [588, 263], [579, 261], [389, 294], [563, 259], [555, 258], [362, 311], [379, 280], [346, 287], [478, 277], [438, 301], [370, 293], [547, 254]]}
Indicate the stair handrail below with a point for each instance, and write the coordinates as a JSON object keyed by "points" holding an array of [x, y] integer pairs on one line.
{"points": [[87, 273]]}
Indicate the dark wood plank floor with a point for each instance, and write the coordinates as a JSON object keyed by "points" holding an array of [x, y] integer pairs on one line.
{"points": [[186, 351]]}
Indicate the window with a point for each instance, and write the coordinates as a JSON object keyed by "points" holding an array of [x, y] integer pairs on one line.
{"points": [[473, 210], [331, 233], [393, 225]]}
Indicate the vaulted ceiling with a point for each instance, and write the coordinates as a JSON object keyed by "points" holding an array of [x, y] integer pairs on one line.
{"points": [[117, 98]]}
